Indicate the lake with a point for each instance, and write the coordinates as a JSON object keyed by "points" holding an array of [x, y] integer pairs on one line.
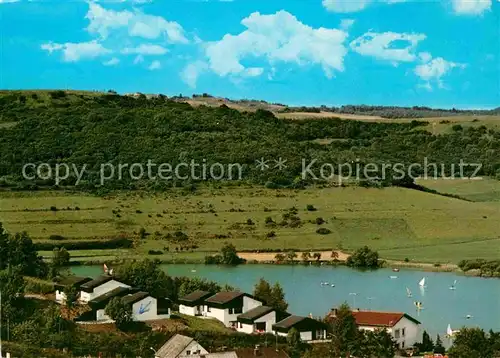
{"points": [[374, 290]]}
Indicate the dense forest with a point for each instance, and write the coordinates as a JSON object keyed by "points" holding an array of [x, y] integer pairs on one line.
{"points": [[89, 128]]}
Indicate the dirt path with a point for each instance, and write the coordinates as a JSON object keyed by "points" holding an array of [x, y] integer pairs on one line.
{"points": [[269, 256]]}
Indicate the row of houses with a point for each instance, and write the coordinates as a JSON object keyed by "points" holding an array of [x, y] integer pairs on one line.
{"points": [[98, 292], [237, 310], [246, 314]]}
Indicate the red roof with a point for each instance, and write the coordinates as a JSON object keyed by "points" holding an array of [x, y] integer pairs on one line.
{"points": [[380, 319]]}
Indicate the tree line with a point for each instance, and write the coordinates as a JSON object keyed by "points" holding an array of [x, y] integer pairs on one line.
{"points": [[93, 130]]}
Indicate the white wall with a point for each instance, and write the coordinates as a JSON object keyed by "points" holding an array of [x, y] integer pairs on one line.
{"points": [[102, 316], [245, 328], [60, 296], [269, 319], [101, 290], [306, 336], [218, 313], [149, 305], [190, 311], [412, 332]]}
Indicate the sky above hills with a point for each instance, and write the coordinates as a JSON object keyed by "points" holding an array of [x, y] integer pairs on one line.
{"points": [[301, 52]]}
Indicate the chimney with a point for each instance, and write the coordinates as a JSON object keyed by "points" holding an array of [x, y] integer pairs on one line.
{"points": [[256, 351], [333, 312]]}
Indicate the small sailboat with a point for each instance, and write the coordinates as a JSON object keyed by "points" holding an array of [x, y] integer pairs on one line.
{"points": [[193, 270], [332, 285], [393, 277], [453, 287], [449, 331], [419, 305], [395, 269], [468, 316], [422, 282], [408, 292]]}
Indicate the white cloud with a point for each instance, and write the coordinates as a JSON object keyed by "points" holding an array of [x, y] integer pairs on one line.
{"points": [[137, 23], [383, 45], [345, 5], [425, 56], [471, 7], [138, 59], [145, 49], [277, 37], [155, 65], [192, 71], [73, 52], [345, 24], [353, 5], [112, 62], [434, 70]]}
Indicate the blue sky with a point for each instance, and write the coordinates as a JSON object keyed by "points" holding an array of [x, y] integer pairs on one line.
{"points": [[300, 52]]}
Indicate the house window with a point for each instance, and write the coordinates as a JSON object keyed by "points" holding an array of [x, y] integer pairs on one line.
{"points": [[238, 310], [188, 353], [396, 333], [403, 331], [402, 344]]}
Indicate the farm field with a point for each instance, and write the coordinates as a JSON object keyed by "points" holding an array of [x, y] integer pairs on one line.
{"points": [[479, 190], [400, 223]]}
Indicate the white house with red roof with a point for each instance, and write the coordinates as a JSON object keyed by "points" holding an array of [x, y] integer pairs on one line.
{"points": [[403, 328]]}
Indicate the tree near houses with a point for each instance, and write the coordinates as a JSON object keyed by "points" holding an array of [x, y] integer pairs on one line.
{"points": [[427, 344], [294, 343], [305, 256], [344, 332], [12, 287], [271, 296], [376, 344], [438, 347], [317, 256], [71, 293], [474, 342], [334, 255], [120, 312]]}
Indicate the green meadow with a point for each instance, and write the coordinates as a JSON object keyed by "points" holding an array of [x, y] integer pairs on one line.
{"points": [[399, 223]]}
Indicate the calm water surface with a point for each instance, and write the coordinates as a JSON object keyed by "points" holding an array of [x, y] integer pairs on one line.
{"points": [[375, 290]]}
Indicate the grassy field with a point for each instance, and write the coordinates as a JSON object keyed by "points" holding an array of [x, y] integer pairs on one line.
{"points": [[400, 223], [478, 190]]}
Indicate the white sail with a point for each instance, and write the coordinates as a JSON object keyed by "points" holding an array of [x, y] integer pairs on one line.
{"points": [[408, 292], [449, 331], [422, 282]]}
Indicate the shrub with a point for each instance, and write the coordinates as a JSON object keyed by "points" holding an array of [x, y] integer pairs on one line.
{"points": [[56, 237], [320, 221], [270, 234], [155, 252], [53, 208], [323, 231], [310, 207], [363, 258], [250, 222], [269, 221]]}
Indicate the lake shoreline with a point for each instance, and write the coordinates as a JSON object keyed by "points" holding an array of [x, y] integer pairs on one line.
{"points": [[263, 259]]}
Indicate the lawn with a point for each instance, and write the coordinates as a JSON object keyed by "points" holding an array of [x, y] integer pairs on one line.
{"points": [[398, 222]]}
